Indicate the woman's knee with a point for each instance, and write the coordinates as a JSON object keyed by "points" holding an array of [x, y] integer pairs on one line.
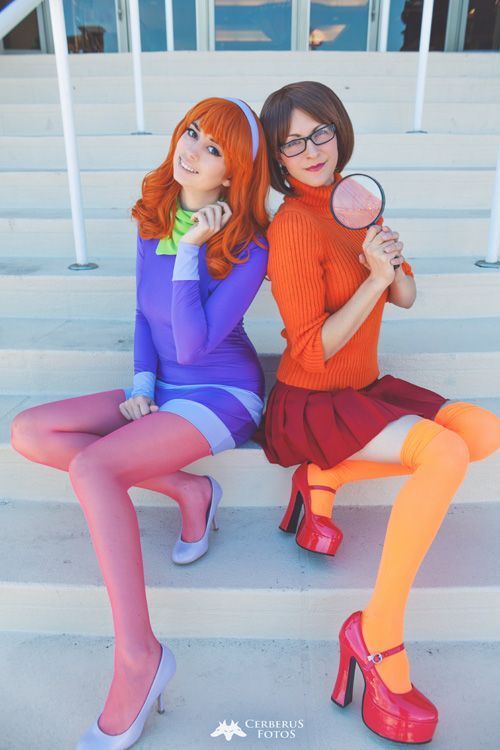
{"points": [[483, 436], [451, 451], [430, 442], [26, 432], [83, 464], [90, 462], [479, 427]]}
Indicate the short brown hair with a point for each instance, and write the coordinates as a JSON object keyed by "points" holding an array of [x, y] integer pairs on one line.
{"points": [[318, 101]]}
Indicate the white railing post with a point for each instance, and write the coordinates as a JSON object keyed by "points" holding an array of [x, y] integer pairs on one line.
{"points": [[70, 146], [491, 260], [135, 36], [169, 23], [423, 54], [384, 25]]}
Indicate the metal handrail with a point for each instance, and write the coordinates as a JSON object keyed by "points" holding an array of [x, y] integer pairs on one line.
{"points": [[17, 10], [493, 248], [423, 55], [491, 260], [169, 23], [9, 18], [135, 37], [384, 25]]}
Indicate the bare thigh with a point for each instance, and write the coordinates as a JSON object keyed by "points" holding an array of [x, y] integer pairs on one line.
{"points": [[386, 446]]}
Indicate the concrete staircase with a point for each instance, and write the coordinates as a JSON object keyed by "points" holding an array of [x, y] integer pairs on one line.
{"points": [[270, 610]]}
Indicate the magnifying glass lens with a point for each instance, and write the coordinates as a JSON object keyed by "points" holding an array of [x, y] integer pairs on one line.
{"points": [[357, 201]]}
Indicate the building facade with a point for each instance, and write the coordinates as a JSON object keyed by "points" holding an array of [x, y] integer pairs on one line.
{"points": [[354, 25]]}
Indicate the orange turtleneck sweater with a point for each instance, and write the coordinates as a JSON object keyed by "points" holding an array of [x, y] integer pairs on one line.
{"points": [[314, 270]]}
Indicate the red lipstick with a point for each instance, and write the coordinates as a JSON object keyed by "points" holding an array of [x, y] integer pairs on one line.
{"points": [[316, 167]]}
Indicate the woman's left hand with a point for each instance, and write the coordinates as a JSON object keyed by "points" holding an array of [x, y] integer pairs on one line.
{"points": [[208, 221], [398, 259]]}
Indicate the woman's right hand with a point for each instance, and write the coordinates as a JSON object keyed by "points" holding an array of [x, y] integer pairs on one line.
{"points": [[137, 407], [380, 248], [207, 222]]}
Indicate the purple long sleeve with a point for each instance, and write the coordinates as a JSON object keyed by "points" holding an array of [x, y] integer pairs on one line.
{"points": [[199, 327], [145, 354], [189, 326]]}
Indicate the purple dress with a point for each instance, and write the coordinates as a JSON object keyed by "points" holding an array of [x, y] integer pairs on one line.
{"points": [[191, 351]]}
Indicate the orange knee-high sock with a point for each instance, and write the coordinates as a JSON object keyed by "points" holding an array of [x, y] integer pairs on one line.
{"points": [[438, 458], [346, 471], [479, 427]]}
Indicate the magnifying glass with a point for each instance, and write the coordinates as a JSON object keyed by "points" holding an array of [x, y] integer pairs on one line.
{"points": [[357, 202]]}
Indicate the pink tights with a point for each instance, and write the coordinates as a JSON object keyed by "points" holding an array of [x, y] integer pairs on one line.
{"points": [[105, 455]]}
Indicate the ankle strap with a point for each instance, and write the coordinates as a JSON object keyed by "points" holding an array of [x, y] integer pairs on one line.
{"points": [[377, 658], [320, 487]]}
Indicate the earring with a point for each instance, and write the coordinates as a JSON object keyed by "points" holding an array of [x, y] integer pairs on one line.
{"points": [[282, 168]]}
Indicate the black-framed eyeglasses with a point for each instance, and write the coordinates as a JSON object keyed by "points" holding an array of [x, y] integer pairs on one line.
{"points": [[299, 145]]}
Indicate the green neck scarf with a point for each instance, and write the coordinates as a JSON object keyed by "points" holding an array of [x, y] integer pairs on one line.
{"points": [[168, 245]]}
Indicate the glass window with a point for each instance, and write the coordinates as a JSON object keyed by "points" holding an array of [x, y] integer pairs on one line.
{"points": [[253, 24], [405, 21], [184, 24], [91, 25], [152, 18], [338, 24], [483, 25], [153, 29]]}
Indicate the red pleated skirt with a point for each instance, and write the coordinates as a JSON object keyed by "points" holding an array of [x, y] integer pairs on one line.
{"points": [[326, 427]]}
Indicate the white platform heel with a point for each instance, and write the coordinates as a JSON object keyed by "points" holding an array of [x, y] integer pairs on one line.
{"points": [[95, 739], [187, 552]]}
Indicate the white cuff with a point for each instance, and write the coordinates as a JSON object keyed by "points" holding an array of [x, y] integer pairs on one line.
{"points": [[186, 262], [144, 384]]}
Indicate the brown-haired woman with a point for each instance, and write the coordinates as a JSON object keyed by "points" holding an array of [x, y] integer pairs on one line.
{"points": [[329, 410]]}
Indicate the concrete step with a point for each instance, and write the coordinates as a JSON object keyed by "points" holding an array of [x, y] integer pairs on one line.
{"points": [[249, 480], [460, 359], [372, 150], [442, 189], [283, 681], [45, 287], [111, 233], [301, 65], [59, 590], [161, 117], [178, 87], [254, 582]]}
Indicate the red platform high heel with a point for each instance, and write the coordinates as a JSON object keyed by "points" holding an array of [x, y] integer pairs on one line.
{"points": [[316, 533], [402, 717]]}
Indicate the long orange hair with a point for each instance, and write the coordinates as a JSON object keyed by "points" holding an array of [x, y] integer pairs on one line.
{"points": [[225, 122]]}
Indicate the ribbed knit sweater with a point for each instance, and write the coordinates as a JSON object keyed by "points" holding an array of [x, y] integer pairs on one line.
{"points": [[314, 270]]}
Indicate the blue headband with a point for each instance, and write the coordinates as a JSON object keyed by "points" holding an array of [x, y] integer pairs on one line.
{"points": [[251, 121]]}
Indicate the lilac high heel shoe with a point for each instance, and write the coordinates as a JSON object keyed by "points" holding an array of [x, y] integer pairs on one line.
{"points": [[95, 739], [187, 552]]}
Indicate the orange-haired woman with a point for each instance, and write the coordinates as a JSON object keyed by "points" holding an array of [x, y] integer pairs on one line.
{"points": [[330, 411], [198, 384]]}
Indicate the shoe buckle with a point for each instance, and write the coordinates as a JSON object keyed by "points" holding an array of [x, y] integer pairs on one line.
{"points": [[375, 658]]}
